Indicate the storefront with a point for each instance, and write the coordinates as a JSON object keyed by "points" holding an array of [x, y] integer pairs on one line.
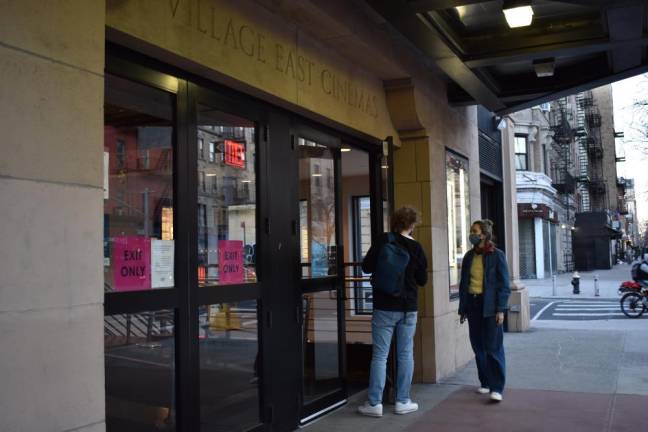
{"points": [[234, 228], [235, 159], [538, 228], [227, 253]]}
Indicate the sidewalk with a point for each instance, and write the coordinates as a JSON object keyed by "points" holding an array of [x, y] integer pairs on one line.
{"points": [[558, 380], [609, 281]]}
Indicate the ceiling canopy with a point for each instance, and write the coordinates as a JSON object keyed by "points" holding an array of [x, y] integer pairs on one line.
{"points": [[570, 46]]}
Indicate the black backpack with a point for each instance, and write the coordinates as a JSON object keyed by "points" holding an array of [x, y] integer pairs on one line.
{"points": [[389, 274]]}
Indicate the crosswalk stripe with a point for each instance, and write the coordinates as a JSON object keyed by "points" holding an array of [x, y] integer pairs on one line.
{"points": [[588, 314], [588, 306], [547, 306], [590, 303], [616, 309]]}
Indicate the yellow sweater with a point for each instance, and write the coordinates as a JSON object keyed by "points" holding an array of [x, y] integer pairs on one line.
{"points": [[477, 275]]}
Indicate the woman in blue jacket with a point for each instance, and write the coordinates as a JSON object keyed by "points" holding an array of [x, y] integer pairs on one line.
{"points": [[483, 299]]}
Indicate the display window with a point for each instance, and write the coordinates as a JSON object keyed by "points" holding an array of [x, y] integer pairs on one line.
{"points": [[458, 203]]}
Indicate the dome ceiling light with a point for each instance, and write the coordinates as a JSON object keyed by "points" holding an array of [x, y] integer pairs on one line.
{"points": [[518, 13]]}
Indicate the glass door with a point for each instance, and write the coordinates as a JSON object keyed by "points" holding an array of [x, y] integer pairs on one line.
{"points": [[227, 273], [321, 273]]}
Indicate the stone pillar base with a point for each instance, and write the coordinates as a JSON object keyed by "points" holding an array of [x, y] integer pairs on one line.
{"points": [[519, 310]]}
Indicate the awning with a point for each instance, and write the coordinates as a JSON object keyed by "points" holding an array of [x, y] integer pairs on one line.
{"points": [[585, 43]]}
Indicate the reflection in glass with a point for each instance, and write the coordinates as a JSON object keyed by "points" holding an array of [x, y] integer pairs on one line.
{"points": [[356, 206], [363, 294], [317, 209], [384, 171], [458, 201], [229, 366], [226, 199], [140, 371], [357, 227], [138, 187], [321, 349]]}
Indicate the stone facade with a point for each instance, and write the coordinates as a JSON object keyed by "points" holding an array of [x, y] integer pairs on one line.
{"points": [[51, 292], [544, 244]]}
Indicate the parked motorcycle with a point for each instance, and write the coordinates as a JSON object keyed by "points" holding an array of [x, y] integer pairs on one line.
{"points": [[634, 298]]}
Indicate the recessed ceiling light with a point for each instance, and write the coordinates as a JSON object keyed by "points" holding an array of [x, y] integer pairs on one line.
{"points": [[316, 175], [518, 13], [345, 149], [544, 67]]}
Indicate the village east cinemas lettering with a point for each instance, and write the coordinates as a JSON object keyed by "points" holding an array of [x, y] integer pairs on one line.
{"points": [[204, 17]]}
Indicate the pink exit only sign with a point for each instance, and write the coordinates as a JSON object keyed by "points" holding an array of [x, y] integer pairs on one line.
{"points": [[230, 261], [132, 263]]}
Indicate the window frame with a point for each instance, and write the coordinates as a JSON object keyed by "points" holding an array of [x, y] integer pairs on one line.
{"points": [[525, 154], [454, 293]]}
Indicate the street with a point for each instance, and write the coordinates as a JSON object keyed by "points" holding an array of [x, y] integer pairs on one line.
{"points": [[567, 309], [585, 308], [607, 282]]}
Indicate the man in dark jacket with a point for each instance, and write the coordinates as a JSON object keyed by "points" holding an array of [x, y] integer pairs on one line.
{"points": [[395, 313]]}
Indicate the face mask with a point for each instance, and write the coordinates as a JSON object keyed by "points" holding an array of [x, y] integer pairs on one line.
{"points": [[475, 239]]}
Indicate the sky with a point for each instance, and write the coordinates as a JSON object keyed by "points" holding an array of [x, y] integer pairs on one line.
{"points": [[626, 120]]}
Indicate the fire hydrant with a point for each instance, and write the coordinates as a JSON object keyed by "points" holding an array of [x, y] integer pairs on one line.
{"points": [[576, 282]]}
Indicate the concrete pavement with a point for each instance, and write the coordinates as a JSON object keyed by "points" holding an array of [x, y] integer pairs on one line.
{"points": [[609, 281], [558, 379]]}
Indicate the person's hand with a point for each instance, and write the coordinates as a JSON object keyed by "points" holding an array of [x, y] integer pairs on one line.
{"points": [[499, 318]]}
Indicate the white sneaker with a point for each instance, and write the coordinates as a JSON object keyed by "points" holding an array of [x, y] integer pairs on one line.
{"points": [[482, 390], [404, 408], [371, 410], [497, 397]]}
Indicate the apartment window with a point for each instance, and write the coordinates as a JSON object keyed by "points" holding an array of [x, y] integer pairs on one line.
{"points": [[545, 161], [458, 202], [212, 151], [143, 159], [521, 153], [202, 215], [203, 182], [246, 191], [120, 153], [201, 148]]}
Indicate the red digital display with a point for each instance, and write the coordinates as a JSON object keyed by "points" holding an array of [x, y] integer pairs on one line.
{"points": [[234, 154]]}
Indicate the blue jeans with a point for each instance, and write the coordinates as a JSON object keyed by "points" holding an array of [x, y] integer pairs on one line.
{"points": [[383, 324], [487, 340]]}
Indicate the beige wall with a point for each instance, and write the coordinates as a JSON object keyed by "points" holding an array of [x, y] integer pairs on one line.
{"points": [[51, 290], [441, 344], [250, 48]]}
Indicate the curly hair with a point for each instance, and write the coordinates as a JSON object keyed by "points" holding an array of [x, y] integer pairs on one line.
{"points": [[403, 218]]}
